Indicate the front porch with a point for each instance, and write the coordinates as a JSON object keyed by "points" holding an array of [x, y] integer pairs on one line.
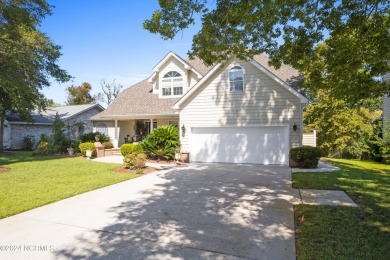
{"points": [[132, 129]]}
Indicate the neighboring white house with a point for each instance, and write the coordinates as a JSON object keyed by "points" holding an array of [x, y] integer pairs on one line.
{"points": [[237, 112], [309, 137], [386, 104], [76, 119]]}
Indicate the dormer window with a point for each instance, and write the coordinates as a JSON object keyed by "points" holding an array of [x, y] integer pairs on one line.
{"points": [[172, 84], [236, 79]]}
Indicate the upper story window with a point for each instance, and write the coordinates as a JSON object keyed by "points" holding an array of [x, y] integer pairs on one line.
{"points": [[236, 79], [172, 84]]}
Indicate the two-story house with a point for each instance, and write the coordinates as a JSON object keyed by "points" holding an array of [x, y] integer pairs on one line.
{"points": [[237, 112]]}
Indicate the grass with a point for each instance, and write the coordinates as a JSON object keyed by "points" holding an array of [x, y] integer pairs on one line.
{"points": [[36, 181], [329, 232]]}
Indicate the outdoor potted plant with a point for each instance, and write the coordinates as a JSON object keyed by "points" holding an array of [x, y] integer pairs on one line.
{"points": [[70, 151], [177, 154], [88, 153]]}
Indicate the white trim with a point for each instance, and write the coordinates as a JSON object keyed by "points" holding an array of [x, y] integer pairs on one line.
{"points": [[28, 123], [144, 116], [171, 54], [150, 79], [244, 126]]}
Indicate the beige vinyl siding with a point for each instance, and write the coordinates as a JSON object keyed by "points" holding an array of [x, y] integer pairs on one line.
{"points": [[386, 105], [309, 139], [263, 102]]}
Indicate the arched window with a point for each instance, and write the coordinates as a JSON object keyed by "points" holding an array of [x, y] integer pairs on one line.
{"points": [[172, 84], [236, 79], [102, 128]]}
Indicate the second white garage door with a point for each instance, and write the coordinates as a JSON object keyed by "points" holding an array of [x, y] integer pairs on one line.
{"points": [[261, 145]]}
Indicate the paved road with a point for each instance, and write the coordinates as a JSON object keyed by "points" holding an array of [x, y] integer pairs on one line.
{"points": [[199, 211]]}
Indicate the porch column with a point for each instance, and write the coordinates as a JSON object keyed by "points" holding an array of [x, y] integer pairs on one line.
{"points": [[151, 125], [116, 135]]}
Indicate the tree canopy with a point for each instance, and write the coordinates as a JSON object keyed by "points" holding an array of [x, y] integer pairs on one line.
{"points": [[345, 129], [79, 95], [340, 46], [28, 58], [110, 91]]}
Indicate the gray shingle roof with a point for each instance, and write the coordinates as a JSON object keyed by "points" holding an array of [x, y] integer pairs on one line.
{"points": [[47, 116], [139, 100]]}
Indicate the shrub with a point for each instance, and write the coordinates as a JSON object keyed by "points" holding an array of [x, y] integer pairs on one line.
{"points": [[130, 148], [28, 142], [108, 145], [162, 142], [58, 140], [43, 149], [90, 137], [305, 157], [44, 138], [135, 160], [87, 146]]}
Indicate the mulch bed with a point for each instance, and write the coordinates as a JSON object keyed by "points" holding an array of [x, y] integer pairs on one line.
{"points": [[122, 169], [161, 161], [4, 169]]}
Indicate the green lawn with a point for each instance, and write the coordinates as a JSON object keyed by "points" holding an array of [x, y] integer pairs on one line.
{"points": [[343, 232], [36, 181]]}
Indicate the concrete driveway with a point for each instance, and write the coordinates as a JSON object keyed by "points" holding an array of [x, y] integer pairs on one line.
{"points": [[199, 211]]}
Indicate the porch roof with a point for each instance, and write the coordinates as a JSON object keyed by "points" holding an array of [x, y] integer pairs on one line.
{"points": [[138, 102], [135, 117]]}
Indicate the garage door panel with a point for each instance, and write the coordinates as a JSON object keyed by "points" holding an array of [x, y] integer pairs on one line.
{"points": [[266, 145]]}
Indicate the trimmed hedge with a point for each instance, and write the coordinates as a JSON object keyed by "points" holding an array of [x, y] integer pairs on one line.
{"points": [[108, 145], [87, 146], [130, 148], [305, 157]]}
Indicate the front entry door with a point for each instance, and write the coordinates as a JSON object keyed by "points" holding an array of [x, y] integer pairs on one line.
{"points": [[147, 127]]}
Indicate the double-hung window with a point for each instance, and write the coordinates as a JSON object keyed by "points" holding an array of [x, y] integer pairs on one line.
{"points": [[236, 79], [172, 84]]}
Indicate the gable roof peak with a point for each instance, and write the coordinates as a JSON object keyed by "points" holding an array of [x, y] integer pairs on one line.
{"points": [[171, 54]]}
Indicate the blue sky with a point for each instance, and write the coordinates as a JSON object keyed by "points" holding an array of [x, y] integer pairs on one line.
{"points": [[103, 39]]}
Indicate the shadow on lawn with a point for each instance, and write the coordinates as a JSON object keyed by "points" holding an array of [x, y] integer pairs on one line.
{"points": [[193, 213], [367, 183], [12, 157]]}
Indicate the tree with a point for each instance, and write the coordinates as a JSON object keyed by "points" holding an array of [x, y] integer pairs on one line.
{"points": [[58, 138], [110, 91], [348, 39], [344, 129], [79, 95], [28, 58]]}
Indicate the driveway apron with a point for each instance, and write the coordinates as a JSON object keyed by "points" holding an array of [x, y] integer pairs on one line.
{"points": [[197, 211]]}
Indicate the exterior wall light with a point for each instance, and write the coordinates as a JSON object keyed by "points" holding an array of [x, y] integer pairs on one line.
{"points": [[183, 130], [295, 127]]}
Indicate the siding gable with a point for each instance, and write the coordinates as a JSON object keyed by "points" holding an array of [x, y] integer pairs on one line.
{"points": [[263, 102], [189, 77]]}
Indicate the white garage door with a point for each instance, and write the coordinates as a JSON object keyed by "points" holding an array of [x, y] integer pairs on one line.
{"points": [[262, 145]]}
